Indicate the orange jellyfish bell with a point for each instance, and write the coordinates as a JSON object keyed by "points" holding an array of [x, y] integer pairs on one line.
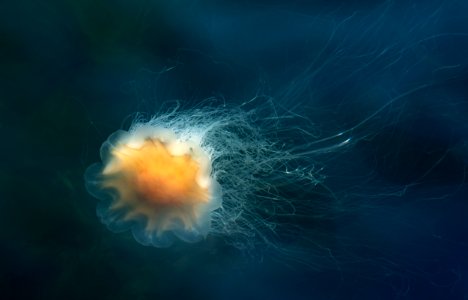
{"points": [[155, 183]]}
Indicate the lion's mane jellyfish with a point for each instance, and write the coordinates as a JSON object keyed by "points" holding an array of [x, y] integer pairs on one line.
{"points": [[187, 174]]}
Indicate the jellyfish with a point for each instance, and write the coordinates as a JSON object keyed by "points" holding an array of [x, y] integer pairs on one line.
{"points": [[187, 174]]}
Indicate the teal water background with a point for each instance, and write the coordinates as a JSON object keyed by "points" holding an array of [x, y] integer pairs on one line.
{"points": [[73, 72]]}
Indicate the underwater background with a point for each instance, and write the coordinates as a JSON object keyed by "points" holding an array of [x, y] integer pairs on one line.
{"points": [[391, 76]]}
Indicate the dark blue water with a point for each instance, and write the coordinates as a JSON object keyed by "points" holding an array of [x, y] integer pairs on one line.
{"points": [[391, 209]]}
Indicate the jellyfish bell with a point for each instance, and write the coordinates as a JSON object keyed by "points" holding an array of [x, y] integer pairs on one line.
{"points": [[155, 184]]}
